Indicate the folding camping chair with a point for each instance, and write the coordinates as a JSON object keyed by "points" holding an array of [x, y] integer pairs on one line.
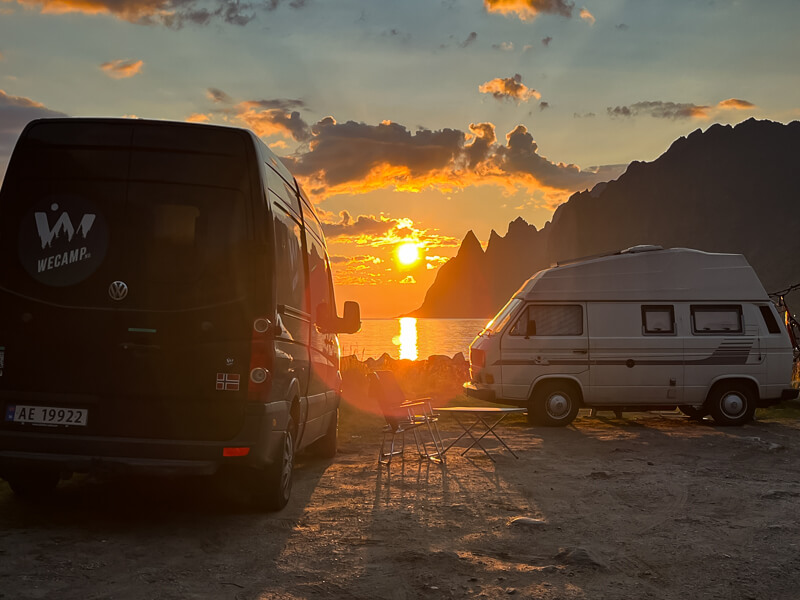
{"points": [[403, 416]]}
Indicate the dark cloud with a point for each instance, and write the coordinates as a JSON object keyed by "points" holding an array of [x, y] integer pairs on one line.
{"points": [[349, 151], [529, 9], [622, 27], [171, 13], [546, 41], [355, 157], [544, 105], [216, 95], [279, 103], [470, 38], [362, 225], [397, 34], [15, 113], [660, 110]]}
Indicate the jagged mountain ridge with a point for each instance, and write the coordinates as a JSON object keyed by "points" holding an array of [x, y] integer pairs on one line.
{"points": [[726, 189]]}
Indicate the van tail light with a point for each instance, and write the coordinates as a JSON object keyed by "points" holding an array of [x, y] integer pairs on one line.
{"points": [[259, 378], [477, 361]]}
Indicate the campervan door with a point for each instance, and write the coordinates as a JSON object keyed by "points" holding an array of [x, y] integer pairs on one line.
{"points": [[546, 340]]}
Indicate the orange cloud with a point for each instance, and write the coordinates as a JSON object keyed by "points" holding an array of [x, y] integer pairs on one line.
{"points": [[736, 104], [272, 121], [171, 13], [198, 118], [122, 69], [587, 16], [376, 232], [509, 88], [527, 10]]}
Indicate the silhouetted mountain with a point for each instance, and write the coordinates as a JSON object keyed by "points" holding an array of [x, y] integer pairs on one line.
{"points": [[728, 189]]}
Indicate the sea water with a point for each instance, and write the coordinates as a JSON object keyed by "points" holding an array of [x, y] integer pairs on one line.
{"points": [[409, 338]]}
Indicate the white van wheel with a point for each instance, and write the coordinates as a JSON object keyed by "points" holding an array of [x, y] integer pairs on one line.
{"points": [[731, 404], [554, 404]]}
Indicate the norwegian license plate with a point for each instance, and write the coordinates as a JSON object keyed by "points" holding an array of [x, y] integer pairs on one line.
{"points": [[46, 415]]}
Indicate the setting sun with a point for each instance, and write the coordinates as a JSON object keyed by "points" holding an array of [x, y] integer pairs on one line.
{"points": [[408, 253]]}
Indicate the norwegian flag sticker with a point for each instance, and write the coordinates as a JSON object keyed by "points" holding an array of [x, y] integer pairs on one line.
{"points": [[228, 382]]}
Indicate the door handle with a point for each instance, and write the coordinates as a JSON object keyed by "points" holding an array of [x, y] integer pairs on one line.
{"points": [[580, 351]]}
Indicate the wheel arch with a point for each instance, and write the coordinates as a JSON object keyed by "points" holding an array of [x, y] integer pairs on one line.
{"points": [[569, 379], [740, 380]]}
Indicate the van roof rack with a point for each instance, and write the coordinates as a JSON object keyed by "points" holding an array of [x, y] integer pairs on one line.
{"points": [[632, 250]]}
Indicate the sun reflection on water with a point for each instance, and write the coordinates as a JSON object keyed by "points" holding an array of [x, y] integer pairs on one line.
{"points": [[407, 339]]}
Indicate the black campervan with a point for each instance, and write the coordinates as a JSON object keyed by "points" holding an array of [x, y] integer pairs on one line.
{"points": [[167, 307]]}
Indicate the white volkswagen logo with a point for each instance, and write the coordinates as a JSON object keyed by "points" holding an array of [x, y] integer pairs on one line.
{"points": [[118, 290]]}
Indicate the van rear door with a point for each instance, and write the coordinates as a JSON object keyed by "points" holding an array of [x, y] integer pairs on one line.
{"points": [[127, 280]]}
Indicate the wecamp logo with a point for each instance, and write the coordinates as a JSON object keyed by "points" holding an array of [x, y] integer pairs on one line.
{"points": [[63, 241], [62, 226]]}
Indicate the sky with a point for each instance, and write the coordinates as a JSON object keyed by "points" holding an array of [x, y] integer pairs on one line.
{"points": [[411, 122]]}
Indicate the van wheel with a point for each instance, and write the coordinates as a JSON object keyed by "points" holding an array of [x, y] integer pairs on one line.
{"points": [[731, 404], [325, 447], [272, 485], [554, 404], [696, 414], [34, 485]]}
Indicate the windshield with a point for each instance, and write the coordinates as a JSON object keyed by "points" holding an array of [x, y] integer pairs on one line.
{"points": [[502, 318]]}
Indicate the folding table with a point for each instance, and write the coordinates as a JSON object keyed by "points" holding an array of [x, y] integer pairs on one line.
{"points": [[479, 416]]}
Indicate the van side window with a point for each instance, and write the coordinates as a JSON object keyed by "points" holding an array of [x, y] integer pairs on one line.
{"points": [[319, 283], [289, 273], [658, 320], [279, 188], [769, 319], [716, 319], [550, 320]]}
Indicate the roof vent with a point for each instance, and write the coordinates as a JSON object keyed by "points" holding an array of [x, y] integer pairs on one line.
{"points": [[640, 248]]}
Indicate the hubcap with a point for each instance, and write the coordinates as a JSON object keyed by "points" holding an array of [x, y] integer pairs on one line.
{"points": [[732, 404], [558, 405]]}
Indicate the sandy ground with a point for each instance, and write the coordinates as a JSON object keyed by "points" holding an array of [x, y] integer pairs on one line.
{"points": [[647, 506]]}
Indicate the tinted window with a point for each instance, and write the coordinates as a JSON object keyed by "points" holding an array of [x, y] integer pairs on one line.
{"points": [[550, 320], [769, 319], [319, 281], [289, 277], [658, 320], [716, 319], [189, 239]]}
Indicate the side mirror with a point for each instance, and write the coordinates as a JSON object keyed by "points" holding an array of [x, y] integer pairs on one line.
{"points": [[350, 321]]}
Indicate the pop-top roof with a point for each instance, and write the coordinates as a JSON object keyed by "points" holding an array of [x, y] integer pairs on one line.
{"points": [[649, 273]]}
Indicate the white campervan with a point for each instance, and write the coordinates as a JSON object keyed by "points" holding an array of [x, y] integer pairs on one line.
{"points": [[643, 329]]}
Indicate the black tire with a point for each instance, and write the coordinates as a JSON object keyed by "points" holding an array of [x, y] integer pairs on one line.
{"points": [[325, 447], [731, 404], [554, 404], [696, 414], [34, 485], [271, 486]]}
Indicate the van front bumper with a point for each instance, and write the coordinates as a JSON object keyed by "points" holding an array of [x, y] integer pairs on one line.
{"points": [[475, 390]]}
